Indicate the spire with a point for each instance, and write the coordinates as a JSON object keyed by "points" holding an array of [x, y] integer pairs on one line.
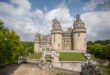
{"points": [[55, 21], [79, 24], [78, 19], [56, 27], [37, 35], [56, 24]]}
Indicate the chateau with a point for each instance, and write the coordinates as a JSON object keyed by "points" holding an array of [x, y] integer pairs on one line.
{"points": [[74, 39]]}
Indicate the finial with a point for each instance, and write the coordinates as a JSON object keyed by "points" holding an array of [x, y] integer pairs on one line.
{"points": [[78, 19], [78, 16], [55, 21]]}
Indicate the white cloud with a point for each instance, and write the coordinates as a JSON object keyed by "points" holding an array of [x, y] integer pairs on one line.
{"points": [[92, 4], [25, 4], [62, 14], [17, 15], [38, 13], [98, 25]]}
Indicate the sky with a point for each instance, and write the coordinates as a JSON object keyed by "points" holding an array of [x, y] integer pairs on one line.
{"points": [[27, 17]]}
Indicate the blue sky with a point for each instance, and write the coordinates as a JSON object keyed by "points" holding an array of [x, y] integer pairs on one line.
{"points": [[27, 17]]}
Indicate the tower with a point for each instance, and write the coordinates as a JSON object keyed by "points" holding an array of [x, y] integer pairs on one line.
{"points": [[37, 43], [56, 35], [79, 35]]}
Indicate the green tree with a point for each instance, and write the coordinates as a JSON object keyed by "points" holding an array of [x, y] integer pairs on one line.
{"points": [[29, 47], [10, 45], [107, 51], [89, 43], [97, 50]]}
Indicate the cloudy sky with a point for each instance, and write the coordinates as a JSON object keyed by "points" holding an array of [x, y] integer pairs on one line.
{"points": [[27, 17]]}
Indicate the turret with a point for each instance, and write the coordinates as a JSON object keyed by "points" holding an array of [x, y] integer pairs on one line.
{"points": [[56, 27], [79, 35], [37, 43], [56, 35]]}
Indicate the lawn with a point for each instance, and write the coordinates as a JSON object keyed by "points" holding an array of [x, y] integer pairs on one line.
{"points": [[61, 74], [35, 56], [98, 59], [104, 70], [94, 58], [71, 56]]}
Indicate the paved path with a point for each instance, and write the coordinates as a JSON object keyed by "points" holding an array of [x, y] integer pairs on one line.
{"points": [[33, 69], [27, 69]]}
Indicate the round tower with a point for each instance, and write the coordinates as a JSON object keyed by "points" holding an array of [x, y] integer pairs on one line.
{"points": [[37, 43], [56, 35], [79, 35]]}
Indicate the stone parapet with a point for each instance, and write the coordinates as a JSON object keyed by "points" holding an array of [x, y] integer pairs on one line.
{"points": [[79, 51], [56, 32], [67, 65], [79, 30]]}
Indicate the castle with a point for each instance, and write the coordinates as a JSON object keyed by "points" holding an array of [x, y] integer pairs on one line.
{"points": [[74, 39]]}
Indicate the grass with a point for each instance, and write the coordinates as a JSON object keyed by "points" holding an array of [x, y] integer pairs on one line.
{"points": [[71, 56], [61, 74], [35, 56], [104, 70], [98, 59], [94, 58]]}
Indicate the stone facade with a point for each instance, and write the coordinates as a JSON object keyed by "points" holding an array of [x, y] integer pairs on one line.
{"points": [[72, 39]]}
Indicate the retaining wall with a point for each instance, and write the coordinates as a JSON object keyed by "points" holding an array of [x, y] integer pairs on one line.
{"points": [[69, 65]]}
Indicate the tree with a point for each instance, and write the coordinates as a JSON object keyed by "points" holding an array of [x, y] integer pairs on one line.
{"points": [[10, 45], [107, 51], [97, 50], [89, 43], [102, 42], [29, 47]]}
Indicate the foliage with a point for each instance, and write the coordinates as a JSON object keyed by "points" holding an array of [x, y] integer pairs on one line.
{"points": [[102, 42], [94, 58], [71, 56], [89, 43], [10, 45], [104, 70], [107, 51], [28, 44], [97, 50], [29, 47], [35, 56], [100, 51]]}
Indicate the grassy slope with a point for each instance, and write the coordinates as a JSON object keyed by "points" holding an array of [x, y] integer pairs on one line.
{"points": [[35, 56], [71, 56], [61, 74], [104, 70]]}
